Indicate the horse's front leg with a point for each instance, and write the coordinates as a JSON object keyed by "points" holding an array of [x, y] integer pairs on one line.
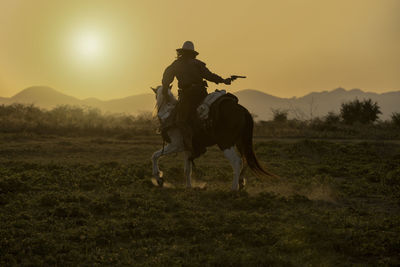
{"points": [[188, 169], [156, 171], [176, 145]]}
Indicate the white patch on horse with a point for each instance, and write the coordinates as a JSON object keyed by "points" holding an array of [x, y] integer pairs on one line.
{"points": [[236, 163], [188, 169]]}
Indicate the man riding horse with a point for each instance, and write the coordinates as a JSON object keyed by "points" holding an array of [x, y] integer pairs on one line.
{"points": [[191, 74]]}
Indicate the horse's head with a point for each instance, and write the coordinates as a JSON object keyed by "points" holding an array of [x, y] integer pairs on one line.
{"points": [[160, 97], [163, 105]]}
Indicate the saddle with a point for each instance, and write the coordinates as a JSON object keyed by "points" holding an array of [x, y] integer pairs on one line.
{"points": [[203, 109], [208, 110], [207, 113]]}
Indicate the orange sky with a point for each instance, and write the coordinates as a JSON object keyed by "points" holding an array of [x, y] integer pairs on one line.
{"points": [[110, 49]]}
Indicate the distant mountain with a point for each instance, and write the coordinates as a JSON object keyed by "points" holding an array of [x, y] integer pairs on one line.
{"points": [[261, 104], [315, 104], [44, 97], [331, 101], [132, 104]]}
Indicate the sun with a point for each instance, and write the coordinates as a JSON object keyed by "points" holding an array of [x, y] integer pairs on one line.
{"points": [[88, 45]]}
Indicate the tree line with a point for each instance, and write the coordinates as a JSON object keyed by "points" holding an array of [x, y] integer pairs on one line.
{"points": [[65, 120], [356, 119], [352, 112]]}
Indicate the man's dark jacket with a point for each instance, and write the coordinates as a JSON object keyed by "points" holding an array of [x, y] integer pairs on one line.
{"points": [[188, 71]]}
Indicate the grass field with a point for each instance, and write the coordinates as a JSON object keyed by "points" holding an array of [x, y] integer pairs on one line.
{"points": [[90, 201]]}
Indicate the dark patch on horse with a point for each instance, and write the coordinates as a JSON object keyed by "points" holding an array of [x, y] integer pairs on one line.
{"points": [[231, 125]]}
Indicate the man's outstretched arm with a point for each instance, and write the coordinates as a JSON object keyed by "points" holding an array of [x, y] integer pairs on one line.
{"points": [[212, 77]]}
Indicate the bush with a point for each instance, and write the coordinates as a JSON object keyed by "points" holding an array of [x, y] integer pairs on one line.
{"points": [[280, 115], [363, 112], [396, 119], [72, 120], [332, 118]]}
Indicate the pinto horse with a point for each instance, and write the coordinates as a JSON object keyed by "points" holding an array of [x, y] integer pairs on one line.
{"points": [[232, 128]]}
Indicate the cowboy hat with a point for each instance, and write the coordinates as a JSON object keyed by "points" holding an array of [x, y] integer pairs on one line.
{"points": [[187, 46]]}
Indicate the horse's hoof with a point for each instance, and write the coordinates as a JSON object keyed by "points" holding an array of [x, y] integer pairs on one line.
{"points": [[242, 183], [235, 189], [160, 182]]}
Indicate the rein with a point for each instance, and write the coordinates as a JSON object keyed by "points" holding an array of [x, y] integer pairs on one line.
{"points": [[164, 111], [163, 146]]}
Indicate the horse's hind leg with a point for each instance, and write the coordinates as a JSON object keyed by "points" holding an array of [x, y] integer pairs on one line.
{"points": [[242, 180], [188, 169], [236, 163]]}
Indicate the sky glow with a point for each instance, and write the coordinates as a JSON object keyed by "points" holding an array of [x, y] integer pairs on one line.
{"points": [[110, 49]]}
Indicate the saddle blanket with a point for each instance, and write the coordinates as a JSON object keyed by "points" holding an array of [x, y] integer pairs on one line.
{"points": [[204, 109]]}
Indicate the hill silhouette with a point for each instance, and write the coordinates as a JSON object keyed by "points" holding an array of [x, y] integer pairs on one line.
{"points": [[43, 96], [47, 97], [315, 104]]}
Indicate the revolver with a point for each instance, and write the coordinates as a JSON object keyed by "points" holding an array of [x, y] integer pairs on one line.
{"points": [[234, 77]]}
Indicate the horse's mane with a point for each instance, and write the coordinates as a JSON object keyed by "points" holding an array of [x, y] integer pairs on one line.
{"points": [[155, 111], [160, 101]]}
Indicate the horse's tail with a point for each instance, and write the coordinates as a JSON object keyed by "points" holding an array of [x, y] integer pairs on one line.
{"points": [[247, 147]]}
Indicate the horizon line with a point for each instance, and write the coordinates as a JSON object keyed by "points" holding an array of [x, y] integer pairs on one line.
{"points": [[322, 91]]}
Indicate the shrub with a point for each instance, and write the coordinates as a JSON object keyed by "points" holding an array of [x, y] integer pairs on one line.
{"points": [[72, 120], [280, 115], [364, 112], [332, 118], [396, 118]]}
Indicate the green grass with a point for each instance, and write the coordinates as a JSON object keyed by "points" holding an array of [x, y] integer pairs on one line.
{"points": [[89, 201]]}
